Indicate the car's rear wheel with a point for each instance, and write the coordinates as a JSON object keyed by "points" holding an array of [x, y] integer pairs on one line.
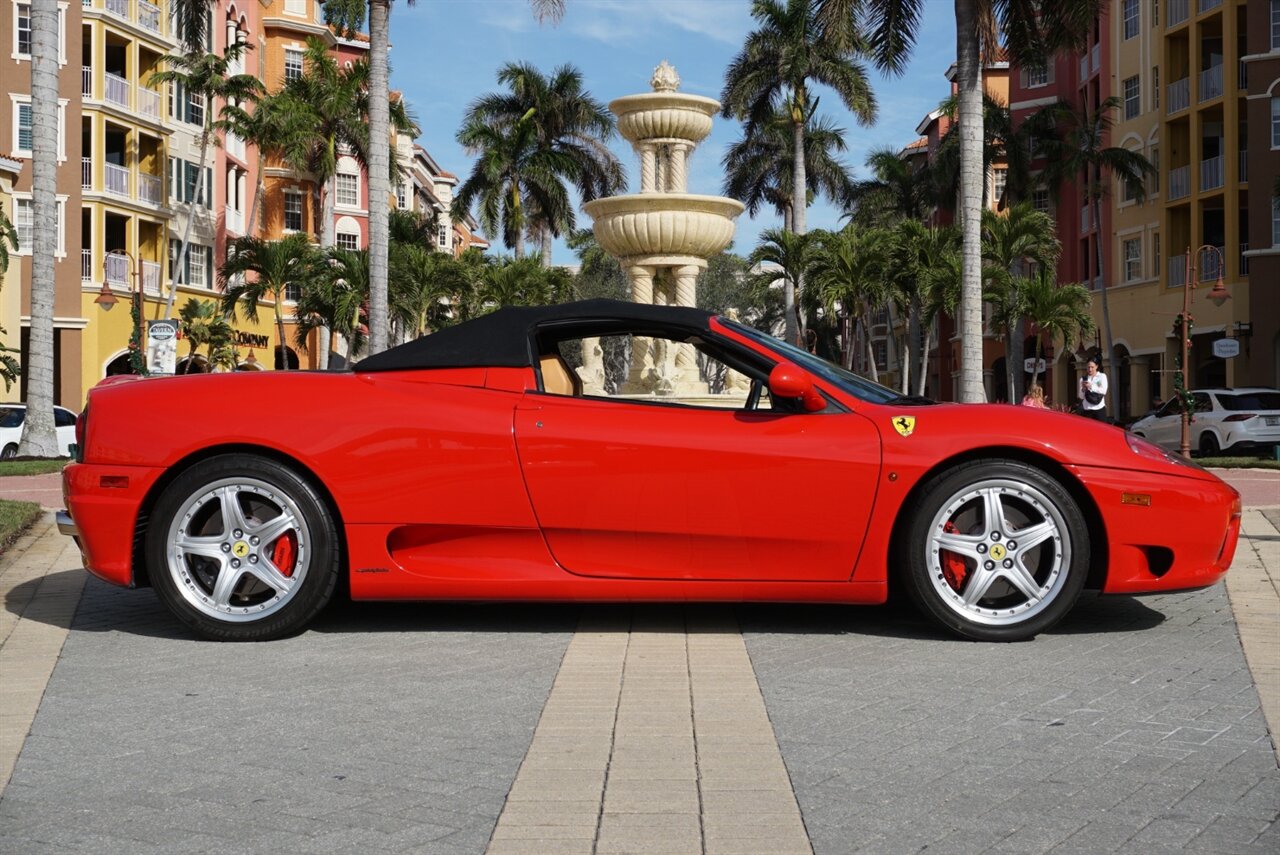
{"points": [[995, 550], [242, 548], [10, 451], [1209, 445]]}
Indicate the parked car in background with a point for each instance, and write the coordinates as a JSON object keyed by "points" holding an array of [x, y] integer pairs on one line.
{"points": [[1235, 420], [12, 417]]}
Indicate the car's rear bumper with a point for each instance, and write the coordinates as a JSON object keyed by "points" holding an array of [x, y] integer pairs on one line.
{"points": [[102, 504], [1164, 533]]}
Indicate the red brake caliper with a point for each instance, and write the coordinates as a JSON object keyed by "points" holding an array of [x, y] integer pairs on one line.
{"points": [[953, 567], [285, 553]]}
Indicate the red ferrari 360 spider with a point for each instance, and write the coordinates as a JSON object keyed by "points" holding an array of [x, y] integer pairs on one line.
{"points": [[616, 452]]}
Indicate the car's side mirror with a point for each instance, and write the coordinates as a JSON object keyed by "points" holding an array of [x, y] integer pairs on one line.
{"points": [[788, 380]]}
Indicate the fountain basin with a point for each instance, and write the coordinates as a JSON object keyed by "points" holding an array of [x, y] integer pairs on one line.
{"points": [[652, 228], [664, 115]]}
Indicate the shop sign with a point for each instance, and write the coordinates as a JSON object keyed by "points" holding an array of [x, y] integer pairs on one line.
{"points": [[162, 346], [1226, 348], [1031, 365]]}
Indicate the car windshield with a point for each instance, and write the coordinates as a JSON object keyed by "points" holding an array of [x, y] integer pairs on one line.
{"points": [[11, 417], [1251, 401], [848, 381]]}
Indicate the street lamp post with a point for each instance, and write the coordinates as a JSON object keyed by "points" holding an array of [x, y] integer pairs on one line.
{"points": [[136, 360], [1218, 296]]}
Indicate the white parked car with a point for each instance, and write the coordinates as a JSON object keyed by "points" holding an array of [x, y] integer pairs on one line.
{"points": [[1233, 420], [13, 415]]}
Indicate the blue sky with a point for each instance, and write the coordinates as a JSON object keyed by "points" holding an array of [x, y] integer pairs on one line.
{"points": [[446, 53]]}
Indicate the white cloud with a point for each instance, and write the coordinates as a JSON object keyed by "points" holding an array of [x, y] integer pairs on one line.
{"points": [[615, 21]]}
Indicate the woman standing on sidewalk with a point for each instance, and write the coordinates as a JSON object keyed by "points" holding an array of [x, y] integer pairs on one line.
{"points": [[1093, 391]]}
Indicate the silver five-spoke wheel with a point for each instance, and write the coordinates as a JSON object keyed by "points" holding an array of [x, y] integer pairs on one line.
{"points": [[995, 550]]}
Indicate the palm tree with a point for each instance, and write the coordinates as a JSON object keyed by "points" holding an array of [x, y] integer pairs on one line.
{"points": [[197, 318], [760, 167], [898, 188], [428, 285], [520, 282], [1032, 32], [922, 265], [205, 75], [791, 252], [1081, 150], [512, 173], [269, 129], [10, 368], [38, 438], [848, 275], [774, 71], [1013, 243], [567, 119], [276, 266], [336, 298], [1060, 311]]}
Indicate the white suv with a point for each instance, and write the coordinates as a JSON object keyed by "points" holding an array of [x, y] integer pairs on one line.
{"points": [[1225, 420], [13, 415]]}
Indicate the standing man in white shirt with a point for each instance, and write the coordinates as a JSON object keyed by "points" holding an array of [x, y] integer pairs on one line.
{"points": [[1093, 391]]}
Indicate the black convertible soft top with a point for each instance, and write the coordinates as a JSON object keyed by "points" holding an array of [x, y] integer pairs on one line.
{"points": [[502, 338]]}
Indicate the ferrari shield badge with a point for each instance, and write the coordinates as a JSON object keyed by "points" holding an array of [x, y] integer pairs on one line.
{"points": [[904, 424]]}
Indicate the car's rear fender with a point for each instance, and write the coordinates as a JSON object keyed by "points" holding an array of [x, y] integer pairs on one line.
{"points": [[153, 495], [1099, 548]]}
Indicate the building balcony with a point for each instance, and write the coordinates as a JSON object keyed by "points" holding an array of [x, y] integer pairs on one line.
{"points": [[117, 179], [1206, 5], [149, 16], [86, 173], [1178, 12], [1095, 58], [115, 269], [150, 189], [117, 7], [1211, 82], [1211, 173], [151, 278], [1178, 96], [235, 221], [1084, 68], [117, 90], [1242, 76], [1177, 271], [1211, 265], [86, 81], [149, 103], [234, 146], [86, 265], [1086, 221], [1180, 182]]}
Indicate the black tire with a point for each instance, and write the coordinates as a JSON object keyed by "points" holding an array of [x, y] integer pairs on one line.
{"points": [[10, 451], [1209, 445], [269, 580], [990, 587]]}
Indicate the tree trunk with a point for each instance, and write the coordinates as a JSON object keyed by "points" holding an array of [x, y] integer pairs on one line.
{"points": [[969, 99], [379, 173], [38, 436], [913, 337], [284, 353], [1113, 361], [922, 377], [180, 271], [546, 247], [1014, 362], [259, 197], [799, 201]]}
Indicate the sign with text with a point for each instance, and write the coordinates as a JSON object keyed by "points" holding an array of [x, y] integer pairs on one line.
{"points": [[1226, 348], [1031, 365], [162, 346]]}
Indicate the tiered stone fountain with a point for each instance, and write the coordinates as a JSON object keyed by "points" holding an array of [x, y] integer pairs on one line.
{"points": [[663, 235]]}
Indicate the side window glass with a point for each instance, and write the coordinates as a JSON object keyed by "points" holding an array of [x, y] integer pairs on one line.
{"points": [[658, 370], [63, 418], [1202, 402]]}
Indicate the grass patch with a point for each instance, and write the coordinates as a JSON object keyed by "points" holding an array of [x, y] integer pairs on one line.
{"points": [[32, 465], [15, 518], [1238, 463]]}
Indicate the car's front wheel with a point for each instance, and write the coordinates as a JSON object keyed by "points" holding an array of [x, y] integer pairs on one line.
{"points": [[995, 550], [1209, 445], [241, 548]]}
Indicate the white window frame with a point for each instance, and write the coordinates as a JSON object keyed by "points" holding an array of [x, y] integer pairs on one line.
{"points": [[1035, 77], [1130, 14], [1275, 123], [197, 273], [999, 181], [62, 32], [353, 239], [1036, 194], [1132, 266], [298, 54], [442, 236], [22, 201], [346, 190], [1275, 222], [1275, 25], [402, 195], [1134, 97], [18, 101], [295, 8], [302, 221]]}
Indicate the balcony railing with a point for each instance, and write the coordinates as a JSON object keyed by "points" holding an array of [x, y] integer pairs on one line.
{"points": [[116, 269], [1206, 5], [234, 146], [149, 103], [1086, 223], [151, 277], [86, 173], [150, 189], [149, 16], [1177, 271], [1084, 68], [1244, 259], [86, 81], [1244, 166], [1179, 96], [1095, 57], [1180, 182], [235, 221], [117, 7], [1177, 12], [1211, 265], [117, 179], [1211, 82], [86, 265], [1211, 173], [117, 89]]}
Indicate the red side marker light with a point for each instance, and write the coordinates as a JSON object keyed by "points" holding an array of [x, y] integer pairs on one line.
{"points": [[1141, 499], [118, 482]]}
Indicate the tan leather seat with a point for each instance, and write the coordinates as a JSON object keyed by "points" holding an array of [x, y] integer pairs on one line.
{"points": [[557, 377]]}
